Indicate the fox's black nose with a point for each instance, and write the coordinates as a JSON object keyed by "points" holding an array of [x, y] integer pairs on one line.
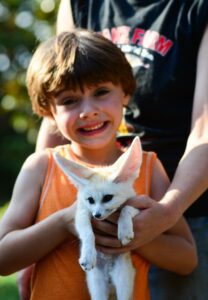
{"points": [[97, 215]]}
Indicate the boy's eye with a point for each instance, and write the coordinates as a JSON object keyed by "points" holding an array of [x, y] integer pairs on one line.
{"points": [[107, 198], [101, 92], [69, 101], [66, 100], [91, 200]]}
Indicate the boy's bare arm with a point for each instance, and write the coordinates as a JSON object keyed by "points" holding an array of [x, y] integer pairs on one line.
{"points": [[21, 242]]}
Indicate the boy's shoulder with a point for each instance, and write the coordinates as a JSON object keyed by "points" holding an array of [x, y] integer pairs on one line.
{"points": [[32, 174], [37, 161]]}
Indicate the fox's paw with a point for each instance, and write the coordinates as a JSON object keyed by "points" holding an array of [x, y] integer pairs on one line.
{"points": [[126, 240], [125, 235], [125, 224], [88, 260]]}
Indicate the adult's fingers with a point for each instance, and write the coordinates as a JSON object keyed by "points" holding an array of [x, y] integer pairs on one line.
{"points": [[107, 241], [110, 245], [150, 223], [141, 202], [112, 251], [113, 218], [104, 227]]}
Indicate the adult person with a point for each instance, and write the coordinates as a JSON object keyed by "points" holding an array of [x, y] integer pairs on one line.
{"points": [[166, 43]]}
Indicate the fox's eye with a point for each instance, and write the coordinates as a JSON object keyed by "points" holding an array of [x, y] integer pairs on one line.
{"points": [[91, 200], [107, 198]]}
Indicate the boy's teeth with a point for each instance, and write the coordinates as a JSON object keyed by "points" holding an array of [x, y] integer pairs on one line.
{"points": [[93, 127]]}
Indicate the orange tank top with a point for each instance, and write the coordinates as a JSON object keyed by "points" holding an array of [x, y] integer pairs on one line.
{"points": [[58, 275]]}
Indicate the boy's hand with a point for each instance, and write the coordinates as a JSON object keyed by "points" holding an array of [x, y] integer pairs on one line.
{"points": [[68, 215]]}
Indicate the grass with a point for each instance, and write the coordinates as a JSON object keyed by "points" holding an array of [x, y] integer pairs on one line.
{"points": [[8, 286]]}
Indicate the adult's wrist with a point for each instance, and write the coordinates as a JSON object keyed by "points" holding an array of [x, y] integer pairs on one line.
{"points": [[172, 206]]}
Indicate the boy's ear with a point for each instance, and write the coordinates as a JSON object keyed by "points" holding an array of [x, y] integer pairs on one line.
{"points": [[77, 174], [126, 99], [128, 165]]}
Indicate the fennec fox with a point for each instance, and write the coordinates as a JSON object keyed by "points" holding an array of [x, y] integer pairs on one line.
{"points": [[101, 191]]}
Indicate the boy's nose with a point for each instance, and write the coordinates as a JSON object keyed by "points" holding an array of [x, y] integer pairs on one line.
{"points": [[88, 114], [88, 110]]}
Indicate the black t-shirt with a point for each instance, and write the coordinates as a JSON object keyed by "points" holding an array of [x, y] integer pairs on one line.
{"points": [[160, 39]]}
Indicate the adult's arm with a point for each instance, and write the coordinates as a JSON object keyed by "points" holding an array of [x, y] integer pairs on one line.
{"points": [[47, 136], [191, 176], [65, 20]]}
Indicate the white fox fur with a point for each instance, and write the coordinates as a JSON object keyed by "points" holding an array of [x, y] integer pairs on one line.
{"points": [[101, 191]]}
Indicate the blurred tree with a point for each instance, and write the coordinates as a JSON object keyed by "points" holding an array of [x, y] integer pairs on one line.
{"points": [[23, 24]]}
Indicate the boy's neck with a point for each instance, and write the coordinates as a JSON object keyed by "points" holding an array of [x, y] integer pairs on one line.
{"points": [[96, 157]]}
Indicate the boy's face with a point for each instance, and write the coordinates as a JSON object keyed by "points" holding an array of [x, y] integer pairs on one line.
{"points": [[90, 118]]}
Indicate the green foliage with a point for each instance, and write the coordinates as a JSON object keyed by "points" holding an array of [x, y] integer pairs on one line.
{"points": [[23, 24], [8, 284], [8, 288]]}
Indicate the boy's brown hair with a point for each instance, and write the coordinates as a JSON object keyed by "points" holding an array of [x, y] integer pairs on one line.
{"points": [[74, 60]]}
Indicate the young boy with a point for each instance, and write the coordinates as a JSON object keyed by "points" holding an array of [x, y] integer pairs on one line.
{"points": [[81, 81]]}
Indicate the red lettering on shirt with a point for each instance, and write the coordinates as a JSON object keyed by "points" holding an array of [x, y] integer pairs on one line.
{"points": [[163, 45], [120, 35], [138, 36], [150, 39]]}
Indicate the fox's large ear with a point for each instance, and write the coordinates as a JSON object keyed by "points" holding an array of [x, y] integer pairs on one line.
{"points": [[77, 174], [128, 165]]}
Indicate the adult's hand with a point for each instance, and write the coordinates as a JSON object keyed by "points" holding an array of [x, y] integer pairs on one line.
{"points": [[153, 219]]}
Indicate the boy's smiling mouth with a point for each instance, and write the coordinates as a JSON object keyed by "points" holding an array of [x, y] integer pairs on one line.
{"points": [[93, 128]]}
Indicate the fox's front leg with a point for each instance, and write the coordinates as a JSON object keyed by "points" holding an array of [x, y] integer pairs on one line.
{"points": [[125, 224], [83, 225]]}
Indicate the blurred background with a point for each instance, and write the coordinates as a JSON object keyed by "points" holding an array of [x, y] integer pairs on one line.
{"points": [[23, 25]]}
